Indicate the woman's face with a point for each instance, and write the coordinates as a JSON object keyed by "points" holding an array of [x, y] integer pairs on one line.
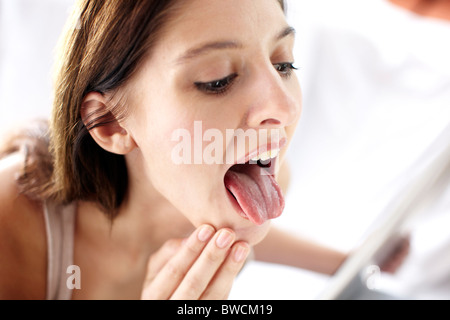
{"points": [[218, 89]]}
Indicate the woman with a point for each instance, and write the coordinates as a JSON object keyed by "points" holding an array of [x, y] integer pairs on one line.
{"points": [[111, 200]]}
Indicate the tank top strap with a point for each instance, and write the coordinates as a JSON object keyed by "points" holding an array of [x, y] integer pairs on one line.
{"points": [[60, 228]]}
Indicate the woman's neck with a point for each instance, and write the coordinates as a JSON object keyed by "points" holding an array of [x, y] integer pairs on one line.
{"points": [[145, 212], [145, 219], [113, 255], [136, 229]]}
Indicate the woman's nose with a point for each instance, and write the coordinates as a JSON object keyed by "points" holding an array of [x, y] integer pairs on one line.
{"points": [[276, 103]]}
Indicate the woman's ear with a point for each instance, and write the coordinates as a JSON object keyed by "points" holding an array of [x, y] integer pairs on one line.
{"points": [[103, 126]]}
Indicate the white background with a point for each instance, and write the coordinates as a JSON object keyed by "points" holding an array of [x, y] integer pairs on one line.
{"points": [[376, 85]]}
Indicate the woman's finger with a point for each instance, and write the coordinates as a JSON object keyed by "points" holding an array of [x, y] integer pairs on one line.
{"points": [[167, 280], [161, 257], [220, 286], [205, 268]]}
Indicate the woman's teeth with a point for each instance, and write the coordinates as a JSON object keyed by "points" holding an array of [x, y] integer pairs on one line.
{"points": [[266, 155]]}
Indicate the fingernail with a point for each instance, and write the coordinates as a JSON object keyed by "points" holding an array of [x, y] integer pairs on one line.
{"points": [[224, 239], [205, 233], [240, 253]]}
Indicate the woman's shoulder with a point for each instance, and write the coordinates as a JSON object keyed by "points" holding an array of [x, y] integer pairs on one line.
{"points": [[22, 237]]}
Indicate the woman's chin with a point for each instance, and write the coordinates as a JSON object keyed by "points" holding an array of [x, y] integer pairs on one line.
{"points": [[245, 230], [253, 235], [232, 217]]}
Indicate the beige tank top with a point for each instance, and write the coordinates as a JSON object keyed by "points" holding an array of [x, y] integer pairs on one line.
{"points": [[60, 227]]}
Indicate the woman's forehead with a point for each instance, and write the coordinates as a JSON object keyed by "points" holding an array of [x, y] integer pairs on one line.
{"points": [[210, 20]]}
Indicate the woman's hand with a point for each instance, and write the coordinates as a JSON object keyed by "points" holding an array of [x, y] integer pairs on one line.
{"points": [[396, 258], [202, 266]]}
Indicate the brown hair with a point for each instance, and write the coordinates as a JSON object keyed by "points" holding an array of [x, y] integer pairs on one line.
{"points": [[103, 44]]}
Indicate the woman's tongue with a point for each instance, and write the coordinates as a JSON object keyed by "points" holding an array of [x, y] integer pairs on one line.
{"points": [[258, 194]]}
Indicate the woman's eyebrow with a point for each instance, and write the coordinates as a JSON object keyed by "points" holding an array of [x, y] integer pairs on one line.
{"points": [[203, 49], [221, 45], [288, 31]]}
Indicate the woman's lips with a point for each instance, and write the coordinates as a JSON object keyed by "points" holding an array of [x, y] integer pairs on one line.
{"points": [[251, 186], [264, 148]]}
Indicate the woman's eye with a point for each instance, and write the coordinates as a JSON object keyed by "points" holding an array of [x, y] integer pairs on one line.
{"points": [[217, 86], [285, 68]]}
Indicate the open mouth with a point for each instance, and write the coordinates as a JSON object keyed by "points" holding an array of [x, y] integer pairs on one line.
{"points": [[253, 189]]}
